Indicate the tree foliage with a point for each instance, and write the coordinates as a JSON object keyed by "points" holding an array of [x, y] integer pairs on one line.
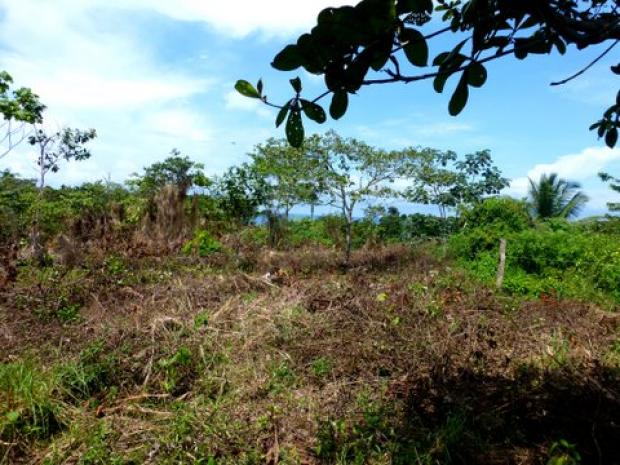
{"points": [[440, 178], [240, 193], [177, 170], [66, 144], [292, 176], [553, 197], [19, 108], [349, 45], [354, 172], [614, 184]]}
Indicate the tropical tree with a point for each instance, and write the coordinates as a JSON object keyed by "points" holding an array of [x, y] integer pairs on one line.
{"points": [[354, 172], [553, 197], [240, 193], [64, 145], [177, 170], [440, 178], [292, 175], [614, 184], [349, 46]]}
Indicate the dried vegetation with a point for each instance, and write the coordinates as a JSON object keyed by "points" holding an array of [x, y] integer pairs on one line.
{"points": [[400, 359]]}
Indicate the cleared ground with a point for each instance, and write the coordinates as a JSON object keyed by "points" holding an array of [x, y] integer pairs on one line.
{"points": [[402, 359]]}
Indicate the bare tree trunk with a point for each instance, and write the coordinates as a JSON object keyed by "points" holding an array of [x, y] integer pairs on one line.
{"points": [[38, 252]]}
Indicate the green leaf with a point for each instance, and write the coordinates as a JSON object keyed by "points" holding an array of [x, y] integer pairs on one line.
{"points": [[476, 75], [560, 45], [340, 102], [459, 97], [611, 137], [288, 59], [414, 6], [416, 48], [448, 68], [295, 129], [381, 53], [440, 81], [247, 89], [282, 113], [296, 83], [313, 111], [439, 59]]}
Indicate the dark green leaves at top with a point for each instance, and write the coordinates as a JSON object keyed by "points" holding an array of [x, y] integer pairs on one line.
{"points": [[282, 113], [476, 74], [340, 102], [416, 48], [414, 6], [288, 59], [247, 89], [313, 111], [295, 128], [459, 97], [296, 83], [611, 137]]}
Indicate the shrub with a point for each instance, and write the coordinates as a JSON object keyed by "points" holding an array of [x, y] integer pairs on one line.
{"points": [[500, 213], [308, 232], [553, 256], [203, 244]]}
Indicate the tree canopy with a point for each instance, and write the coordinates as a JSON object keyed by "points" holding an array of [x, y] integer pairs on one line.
{"points": [[553, 197], [348, 44], [19, 108], [176, 169]]}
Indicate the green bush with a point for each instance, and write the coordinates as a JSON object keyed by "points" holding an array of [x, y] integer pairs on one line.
{"points": [[500, 213], [203, 244], [556, 256], [307, 232]]}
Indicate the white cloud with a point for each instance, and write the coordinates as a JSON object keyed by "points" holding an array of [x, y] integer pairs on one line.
{"points": [[582, 167], [235, 101], [180, 123], [240, 18], [95, 72]]}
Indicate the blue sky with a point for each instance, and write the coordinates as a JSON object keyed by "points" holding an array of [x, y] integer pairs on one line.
{"points": [[152, 75]]}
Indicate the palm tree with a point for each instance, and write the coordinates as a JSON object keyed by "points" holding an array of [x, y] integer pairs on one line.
{"points": [[553, 197]]}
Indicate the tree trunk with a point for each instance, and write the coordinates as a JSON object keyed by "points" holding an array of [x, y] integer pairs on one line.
{"points": [[347, 251]]}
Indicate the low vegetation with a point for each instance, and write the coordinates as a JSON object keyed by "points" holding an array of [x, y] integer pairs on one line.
{"points": [[186, 319]]}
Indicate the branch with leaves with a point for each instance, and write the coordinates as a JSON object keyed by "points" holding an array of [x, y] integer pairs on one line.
{"points": [[349, 44], [20, 109]]}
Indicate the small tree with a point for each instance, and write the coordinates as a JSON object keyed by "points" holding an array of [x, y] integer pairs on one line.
{"points": [[292, 175], [354, 172], [240, 193], [177, 170], [64, 145]]}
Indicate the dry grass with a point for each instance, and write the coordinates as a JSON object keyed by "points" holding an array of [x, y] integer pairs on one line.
{"points": [[399, 357]]}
